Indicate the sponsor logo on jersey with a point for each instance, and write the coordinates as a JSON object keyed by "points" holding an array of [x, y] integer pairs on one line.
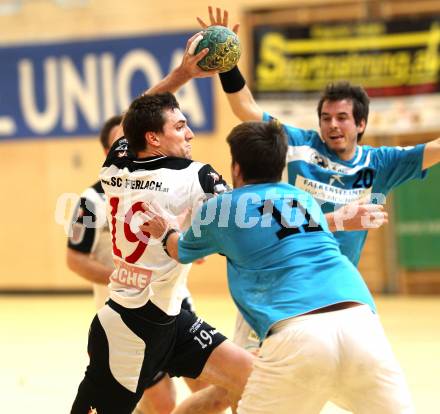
{"points": [[318, 159], [312, 156], [336, 177], [215, 177], [196, 325], [130, 275], [152, 185], [330, 193], [123, 145]]}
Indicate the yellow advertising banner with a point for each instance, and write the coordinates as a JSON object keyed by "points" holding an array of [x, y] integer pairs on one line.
{"points": [[389, 58]]}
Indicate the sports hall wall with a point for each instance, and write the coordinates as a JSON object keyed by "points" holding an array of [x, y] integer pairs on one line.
{"points": [[38, 171]]}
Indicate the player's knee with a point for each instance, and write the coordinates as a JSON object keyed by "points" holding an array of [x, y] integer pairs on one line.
{"points": [[159, 399], [231, 366], [195, 384], [165, 406], [221, 400]]}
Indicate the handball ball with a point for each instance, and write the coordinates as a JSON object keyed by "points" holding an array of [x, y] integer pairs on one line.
{"points": [[224, 49]]}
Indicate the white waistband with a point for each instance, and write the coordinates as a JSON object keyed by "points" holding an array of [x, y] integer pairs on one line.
{"points": [[283, 324]]}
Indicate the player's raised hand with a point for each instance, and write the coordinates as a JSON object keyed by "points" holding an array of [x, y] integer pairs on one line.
{"points": [[358, 215], [187, 70], [221, 18], [190, 59]]}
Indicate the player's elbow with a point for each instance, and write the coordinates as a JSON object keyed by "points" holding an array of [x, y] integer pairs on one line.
{"points": [[69, 260], [437, 146], [431, 155], [73, 260]]}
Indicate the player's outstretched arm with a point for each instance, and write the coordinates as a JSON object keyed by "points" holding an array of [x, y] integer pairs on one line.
{"points": [[159, 227], [357, 216], [221, 18], [241, 102], [187, 70], [240, 98], [431, 154]]}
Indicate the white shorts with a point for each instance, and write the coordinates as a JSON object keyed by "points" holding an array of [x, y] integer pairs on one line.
{"points": [[245, 336], [341, 356], [100, 294]]}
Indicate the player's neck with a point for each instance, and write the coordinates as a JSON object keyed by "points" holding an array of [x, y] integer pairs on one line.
{"points": [[150, 153], [237, 181], [242, 183], [345, 154]]}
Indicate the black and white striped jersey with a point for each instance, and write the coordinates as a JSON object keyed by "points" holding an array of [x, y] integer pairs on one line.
{"points": [[143, 270]]}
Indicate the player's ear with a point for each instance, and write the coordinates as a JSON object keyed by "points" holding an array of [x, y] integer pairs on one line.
{"points": [[236, 171], [152, 139], [361, 127]]}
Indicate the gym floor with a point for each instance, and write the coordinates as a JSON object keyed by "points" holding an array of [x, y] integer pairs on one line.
{"points": [[43, 347]]}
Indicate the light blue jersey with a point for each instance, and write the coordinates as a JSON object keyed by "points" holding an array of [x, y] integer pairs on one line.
{"points": [[333, 182], [282, 259]]}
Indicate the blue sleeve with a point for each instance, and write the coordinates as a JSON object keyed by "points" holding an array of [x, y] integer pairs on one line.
{"points": [[295, 136], [396, 165], [199, 240]]}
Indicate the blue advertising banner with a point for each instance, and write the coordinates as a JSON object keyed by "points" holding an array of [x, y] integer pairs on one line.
{"points": [[70, 88]]}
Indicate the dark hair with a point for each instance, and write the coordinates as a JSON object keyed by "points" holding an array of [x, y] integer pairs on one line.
{"points": [[345, 90], [145, 114], [260, 149], [104, 135]]}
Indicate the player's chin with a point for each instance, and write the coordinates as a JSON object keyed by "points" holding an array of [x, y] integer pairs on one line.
{"points": [[337, 145]]}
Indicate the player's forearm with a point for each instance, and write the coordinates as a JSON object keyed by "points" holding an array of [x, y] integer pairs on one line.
{"points": [[243, 105], [431, 154], [172, 246], [331, 221], [172, 82], [88, 268], [357, 216], [239, 96]]}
